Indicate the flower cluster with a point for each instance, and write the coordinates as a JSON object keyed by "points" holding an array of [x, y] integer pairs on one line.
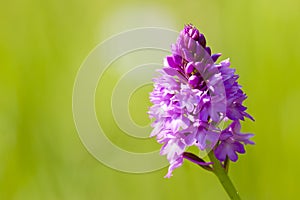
{"points": [[191, 96]]}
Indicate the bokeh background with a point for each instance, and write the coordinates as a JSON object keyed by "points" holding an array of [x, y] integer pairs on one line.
{"points": [[42, 46]]}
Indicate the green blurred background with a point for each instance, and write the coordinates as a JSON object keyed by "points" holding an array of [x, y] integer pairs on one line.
{"points": [[42, 46]]}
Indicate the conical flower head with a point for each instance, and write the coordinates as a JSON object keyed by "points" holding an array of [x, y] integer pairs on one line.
{"points": [[191, 96]]}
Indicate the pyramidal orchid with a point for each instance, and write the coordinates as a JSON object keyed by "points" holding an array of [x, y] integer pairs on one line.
{"points": [[192, 97]]}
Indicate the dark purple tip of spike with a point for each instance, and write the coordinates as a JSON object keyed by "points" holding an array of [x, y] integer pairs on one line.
{"points": [[191, 31]]}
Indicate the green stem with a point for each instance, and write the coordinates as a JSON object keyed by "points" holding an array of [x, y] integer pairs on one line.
{"points": [[223, 177]]}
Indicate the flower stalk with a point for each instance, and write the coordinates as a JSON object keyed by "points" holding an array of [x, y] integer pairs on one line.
{"points": [[223, 177]]}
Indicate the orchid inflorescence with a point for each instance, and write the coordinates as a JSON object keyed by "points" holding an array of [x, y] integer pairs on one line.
{"points": [[192, 95]]}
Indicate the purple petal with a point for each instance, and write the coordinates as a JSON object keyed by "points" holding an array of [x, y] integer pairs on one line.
{"points": [[177, 59], [244, 138], [208, 50], [238, 147], [220, 153], [175, 164], [171, 63], [215, 57], [193, 80], [236, 126], [202, 40], [232, 155], [189, 68], [173, 72]]}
